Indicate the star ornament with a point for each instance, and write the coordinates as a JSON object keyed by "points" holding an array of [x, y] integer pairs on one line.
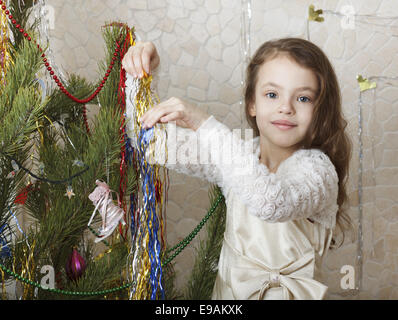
{"points": [[69, 192]]}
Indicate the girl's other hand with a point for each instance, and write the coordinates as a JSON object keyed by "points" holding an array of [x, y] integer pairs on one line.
{"points": [[174, 109], [141, 57]]}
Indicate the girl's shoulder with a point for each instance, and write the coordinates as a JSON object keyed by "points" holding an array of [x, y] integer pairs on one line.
{"points": [[310, 160], [313, 155]]}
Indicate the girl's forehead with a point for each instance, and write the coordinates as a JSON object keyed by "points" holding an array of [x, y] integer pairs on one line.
{"points": [[283, 71]]}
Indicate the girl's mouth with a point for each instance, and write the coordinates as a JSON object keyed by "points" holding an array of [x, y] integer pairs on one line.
{"points": [[284, 126]]}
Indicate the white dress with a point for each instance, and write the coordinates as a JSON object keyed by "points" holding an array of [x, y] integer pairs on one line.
{"points": [[270, 250]]}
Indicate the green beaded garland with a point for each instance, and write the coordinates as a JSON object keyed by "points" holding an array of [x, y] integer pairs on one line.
{"points": [[177, 248]]}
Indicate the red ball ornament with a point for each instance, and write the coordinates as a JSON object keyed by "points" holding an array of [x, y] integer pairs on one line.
{"points": [[75, 266]]}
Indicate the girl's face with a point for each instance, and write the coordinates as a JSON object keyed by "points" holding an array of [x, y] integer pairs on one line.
{"points": [[284, 91]]}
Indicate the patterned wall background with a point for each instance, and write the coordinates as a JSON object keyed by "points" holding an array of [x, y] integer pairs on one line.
{"points": [[203, 45]]}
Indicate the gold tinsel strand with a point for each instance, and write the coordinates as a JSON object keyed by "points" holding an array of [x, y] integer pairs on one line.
{"points": [[5, 56]]}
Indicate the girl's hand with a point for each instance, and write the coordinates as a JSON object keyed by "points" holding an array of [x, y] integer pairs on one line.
{"points": [[174, 109], [139, 58]]}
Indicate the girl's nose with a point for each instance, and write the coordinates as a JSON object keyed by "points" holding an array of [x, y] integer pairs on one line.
{"points": [[286, 107]]}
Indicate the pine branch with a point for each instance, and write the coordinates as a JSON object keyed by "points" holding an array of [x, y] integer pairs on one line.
{"points": [[21, 12], [201, 281], [20, 100]]}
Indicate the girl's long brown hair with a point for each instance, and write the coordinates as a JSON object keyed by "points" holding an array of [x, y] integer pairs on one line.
{"points": [[327, 130]]}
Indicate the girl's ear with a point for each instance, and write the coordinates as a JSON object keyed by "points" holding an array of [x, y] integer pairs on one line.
{"points": [[252, 109]]}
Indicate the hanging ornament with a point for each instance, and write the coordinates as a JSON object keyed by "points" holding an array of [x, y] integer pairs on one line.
{"points": [[69, 192], [314, 15], [75, 265], [15, 170], [365, 84], [110, 213]]}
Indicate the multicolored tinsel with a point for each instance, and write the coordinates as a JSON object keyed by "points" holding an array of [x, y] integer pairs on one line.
{"points": [[147, 211], [5, 57]]}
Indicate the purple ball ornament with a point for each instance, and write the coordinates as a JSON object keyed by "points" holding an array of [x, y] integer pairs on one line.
{"points": [[75, 266]]}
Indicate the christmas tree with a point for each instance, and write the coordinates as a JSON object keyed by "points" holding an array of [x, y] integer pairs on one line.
{"points": [[51, 159]]}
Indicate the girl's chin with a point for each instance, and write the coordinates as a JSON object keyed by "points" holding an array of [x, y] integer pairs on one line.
{"points": [[284, 143]]}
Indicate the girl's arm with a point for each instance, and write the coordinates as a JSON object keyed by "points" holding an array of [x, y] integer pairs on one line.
{"points": [[173, 146], [306, 184]]}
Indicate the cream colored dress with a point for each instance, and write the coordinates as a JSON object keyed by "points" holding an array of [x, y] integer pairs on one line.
{"points": [[270, 250]]}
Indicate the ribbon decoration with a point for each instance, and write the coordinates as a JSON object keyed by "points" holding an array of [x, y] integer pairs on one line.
{"points": [[365, 84]]}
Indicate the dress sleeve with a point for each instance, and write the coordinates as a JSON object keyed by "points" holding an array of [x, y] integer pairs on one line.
{"points": [[306, 184]]}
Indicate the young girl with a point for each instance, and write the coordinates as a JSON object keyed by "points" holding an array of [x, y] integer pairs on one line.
{"points": [[281, 213]]}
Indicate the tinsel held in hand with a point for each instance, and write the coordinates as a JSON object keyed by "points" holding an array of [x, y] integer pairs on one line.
{"points": [[147, 210]]}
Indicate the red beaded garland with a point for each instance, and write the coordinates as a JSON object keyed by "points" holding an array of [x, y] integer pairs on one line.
{"points": [[57, 81]]}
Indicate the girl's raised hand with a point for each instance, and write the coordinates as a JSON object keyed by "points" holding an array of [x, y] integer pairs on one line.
{"points": [[141, 57], [174, 109]]}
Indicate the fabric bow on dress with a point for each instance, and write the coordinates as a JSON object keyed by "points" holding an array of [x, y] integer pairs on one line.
{"points": [[253, 278]]}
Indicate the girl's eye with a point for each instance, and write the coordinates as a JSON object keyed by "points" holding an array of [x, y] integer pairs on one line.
{"points": [[273, 95], [307, 99]]}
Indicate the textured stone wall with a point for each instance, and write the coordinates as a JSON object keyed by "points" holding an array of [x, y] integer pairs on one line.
{"points": [[200, 44]]}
